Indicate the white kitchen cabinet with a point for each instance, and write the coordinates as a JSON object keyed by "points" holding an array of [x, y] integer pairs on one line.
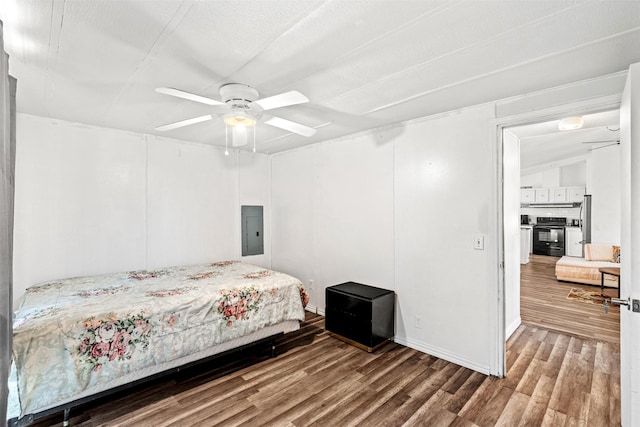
{"points": [[559, 194], [572, 241], [552, 195], [575, 194], [542, 195], [527, 195]]}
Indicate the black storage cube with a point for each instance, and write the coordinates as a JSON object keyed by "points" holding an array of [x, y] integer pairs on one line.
{"points": [[360, 314]]}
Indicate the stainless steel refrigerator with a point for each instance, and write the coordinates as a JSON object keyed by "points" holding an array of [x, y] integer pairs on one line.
{"points": [[585, 221]]}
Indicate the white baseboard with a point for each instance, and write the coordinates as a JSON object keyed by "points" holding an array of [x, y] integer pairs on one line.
{"points": [[510, 329], [443, 354], [313, 309], [425, 348]]}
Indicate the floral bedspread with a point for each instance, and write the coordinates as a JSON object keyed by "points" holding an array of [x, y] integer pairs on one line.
{"points": [[75, 334]]}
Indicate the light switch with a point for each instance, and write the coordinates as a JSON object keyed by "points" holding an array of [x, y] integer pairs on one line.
{"points": [[478, 242]]}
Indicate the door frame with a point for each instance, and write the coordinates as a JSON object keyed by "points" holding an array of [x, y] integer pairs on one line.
{"points": [[582, 107]]}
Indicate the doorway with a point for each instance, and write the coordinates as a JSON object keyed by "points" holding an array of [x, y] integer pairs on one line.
{"points": [[508, 182], [630, 287], [553, 167], [553, 170]]}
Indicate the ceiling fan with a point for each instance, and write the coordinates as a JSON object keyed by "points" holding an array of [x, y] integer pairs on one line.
{"points": [[240, 108]]}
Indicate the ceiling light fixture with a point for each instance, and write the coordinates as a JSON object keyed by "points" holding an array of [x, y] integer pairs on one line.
{"points": [[239, 118], [238, 122], [571, 123]]}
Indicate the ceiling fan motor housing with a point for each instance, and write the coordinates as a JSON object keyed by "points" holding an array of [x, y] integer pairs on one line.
{"points": [[238, 93]]}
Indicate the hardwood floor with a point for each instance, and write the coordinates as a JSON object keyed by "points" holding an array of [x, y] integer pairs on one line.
{"points": [[543, 302], [316, 380]]}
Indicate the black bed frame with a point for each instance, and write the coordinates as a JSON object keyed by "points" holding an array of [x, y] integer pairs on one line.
{"points": [[66, 408]]}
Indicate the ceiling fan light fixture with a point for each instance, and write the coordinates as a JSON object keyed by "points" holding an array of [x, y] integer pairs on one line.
{"points": [[239, 119], [238, 125], [571, 123]]}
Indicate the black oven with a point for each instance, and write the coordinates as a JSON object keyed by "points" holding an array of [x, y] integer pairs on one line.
{"points": [[548, 236]]}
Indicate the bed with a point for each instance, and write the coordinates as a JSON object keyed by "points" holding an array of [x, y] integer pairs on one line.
{"points": [[79, 337]]}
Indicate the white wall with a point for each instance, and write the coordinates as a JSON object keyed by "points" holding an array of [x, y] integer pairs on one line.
{"points": [[444, 197], [293, 245], [91, 200], [547, 178], [574, 175], [254, 172], [333, 213], [399, 208], [511, 215], [80, 201], [190, 204], [605, 189]]}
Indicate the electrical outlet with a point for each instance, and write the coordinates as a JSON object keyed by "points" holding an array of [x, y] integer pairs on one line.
{"points": [[418, 322], [635, 303], [310, 284]]}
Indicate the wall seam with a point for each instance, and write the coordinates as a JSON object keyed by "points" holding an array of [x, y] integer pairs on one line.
{"points": [[238, 221], [146, 200], [270, 211], [393, 214]]}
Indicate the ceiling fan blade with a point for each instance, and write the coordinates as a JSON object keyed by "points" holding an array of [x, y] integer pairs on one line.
{"points": [[600, 142], [284, 99], [187, 95], [291, 126], [182, 123], [604, 146]]}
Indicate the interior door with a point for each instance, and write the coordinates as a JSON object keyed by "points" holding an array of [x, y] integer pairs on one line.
{"points": [[630, 248]]}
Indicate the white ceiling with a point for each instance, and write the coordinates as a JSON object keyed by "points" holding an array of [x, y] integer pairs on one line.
{"points": [[543, 145], [362, 63]]}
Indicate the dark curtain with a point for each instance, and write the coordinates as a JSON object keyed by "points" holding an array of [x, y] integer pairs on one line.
{"points": [[7, 186]]}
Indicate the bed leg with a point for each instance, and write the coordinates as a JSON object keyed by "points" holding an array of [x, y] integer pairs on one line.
{"points": [[65, 420]]}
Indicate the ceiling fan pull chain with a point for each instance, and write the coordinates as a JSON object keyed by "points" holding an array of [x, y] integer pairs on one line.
{"points": [[226, 140]]}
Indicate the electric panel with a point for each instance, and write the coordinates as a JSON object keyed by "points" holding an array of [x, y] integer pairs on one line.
{"points": [[252, 230]]}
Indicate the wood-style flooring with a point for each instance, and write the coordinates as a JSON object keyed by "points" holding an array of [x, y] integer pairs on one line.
{"points": [[317, 380], [543, 302]]}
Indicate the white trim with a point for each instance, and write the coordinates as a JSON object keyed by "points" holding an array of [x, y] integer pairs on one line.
{"points": [[587, 91], [586, 106], [498, 353], [512, 327], [443, 354], [590, 106], [314, 309]]}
